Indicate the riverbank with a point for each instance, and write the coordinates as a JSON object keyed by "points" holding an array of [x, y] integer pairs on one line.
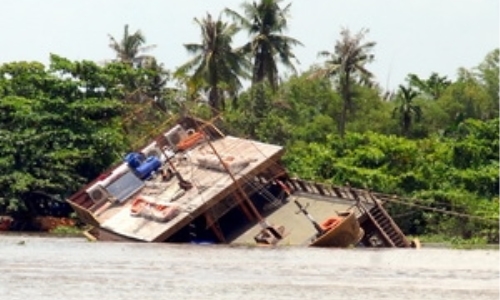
{"points": [[450, 242]]}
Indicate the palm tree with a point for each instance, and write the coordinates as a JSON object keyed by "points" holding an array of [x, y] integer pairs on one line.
{"points": [[265, 22], [406, 111], [346, 64], [148, 82], [216, 66], [130, 48]]}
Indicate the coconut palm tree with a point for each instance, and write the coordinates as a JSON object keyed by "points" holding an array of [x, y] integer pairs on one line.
{"points": [[148, 83], [265, 22], [346, 65], [216, 66], [406, 111], [131, 47]]}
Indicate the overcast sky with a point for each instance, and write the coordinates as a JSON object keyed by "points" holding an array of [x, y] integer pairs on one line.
{"points": [[412, 36]]}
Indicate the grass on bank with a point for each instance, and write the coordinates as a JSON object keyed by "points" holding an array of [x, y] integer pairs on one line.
{"points": [[443, 241]]}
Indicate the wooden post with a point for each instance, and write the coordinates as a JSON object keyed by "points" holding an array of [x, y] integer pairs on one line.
{"points": [[215, 227], [244, 208]]}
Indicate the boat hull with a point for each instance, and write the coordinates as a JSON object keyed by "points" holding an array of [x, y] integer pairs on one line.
{"points": [[346, 232]]}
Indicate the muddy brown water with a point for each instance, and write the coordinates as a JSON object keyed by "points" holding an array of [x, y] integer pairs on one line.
{"points": [[34, 267]]}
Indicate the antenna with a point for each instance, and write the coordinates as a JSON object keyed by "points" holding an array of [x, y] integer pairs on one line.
{"points": [[389, 73]]}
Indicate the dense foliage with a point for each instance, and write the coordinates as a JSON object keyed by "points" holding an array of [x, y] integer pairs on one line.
{"points": [[443, 159], [60, 126], [434, 141]]}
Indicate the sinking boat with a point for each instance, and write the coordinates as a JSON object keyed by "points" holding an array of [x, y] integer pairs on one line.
{"points": [[342, 231], [192, 183]]}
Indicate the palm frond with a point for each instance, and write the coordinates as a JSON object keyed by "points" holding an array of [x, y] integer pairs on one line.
{"points": [[184, 69], [194, 48], [239, 19]]}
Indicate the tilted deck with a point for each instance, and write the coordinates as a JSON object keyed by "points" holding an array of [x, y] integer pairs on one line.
{"points": [[219, 190], [298, 229], [209, 187]]}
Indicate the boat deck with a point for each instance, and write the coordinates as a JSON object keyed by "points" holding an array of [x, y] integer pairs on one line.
{"points": [[298, 229], [210, 182]]}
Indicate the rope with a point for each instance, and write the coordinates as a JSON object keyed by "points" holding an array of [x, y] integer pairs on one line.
{"points": [[413, 200], [443, 211], [399, 200]]}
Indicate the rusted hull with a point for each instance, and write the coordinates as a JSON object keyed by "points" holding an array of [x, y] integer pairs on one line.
{"points": [[345, 233]]}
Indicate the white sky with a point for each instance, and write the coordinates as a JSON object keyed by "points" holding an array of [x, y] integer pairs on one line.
{"points": [[413, 36]]}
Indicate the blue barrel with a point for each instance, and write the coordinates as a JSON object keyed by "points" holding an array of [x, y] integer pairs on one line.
{"points": [[134, 159], [151, 164]]}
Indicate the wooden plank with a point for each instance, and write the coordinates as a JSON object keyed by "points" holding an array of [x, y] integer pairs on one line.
{"points": [[85, 215], [215, 228]]}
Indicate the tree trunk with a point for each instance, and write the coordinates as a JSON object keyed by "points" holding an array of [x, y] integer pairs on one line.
{"points": [[406, 124], [213, 100]]}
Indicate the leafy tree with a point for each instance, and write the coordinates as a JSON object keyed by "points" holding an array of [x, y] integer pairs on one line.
{"points": [[488, 74], [467, 98], [216, 65], [346, 64], [432, 87], [458, 175], [307, 106], [57, 130], [368, 104], [266, 21], [406, 111]]}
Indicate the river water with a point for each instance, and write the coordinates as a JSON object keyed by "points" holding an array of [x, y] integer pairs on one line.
{"points": [[33, 267]]}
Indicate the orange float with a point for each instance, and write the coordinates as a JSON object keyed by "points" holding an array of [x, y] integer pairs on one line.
{"points": [[137, 206], [154, 211], [190, 141], [329, 223]]}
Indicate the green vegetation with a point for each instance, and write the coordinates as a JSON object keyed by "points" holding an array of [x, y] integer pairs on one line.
{"points": [[435, 141], [66, 231]]}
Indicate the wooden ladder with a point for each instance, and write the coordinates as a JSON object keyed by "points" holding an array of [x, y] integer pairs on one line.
{"points": [[387, 229]]}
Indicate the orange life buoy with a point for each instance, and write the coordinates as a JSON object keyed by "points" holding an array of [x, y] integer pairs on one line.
{"points": [[329, 223]]}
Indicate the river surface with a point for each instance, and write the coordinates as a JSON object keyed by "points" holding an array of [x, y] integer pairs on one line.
{"points": [[33, 267]]}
